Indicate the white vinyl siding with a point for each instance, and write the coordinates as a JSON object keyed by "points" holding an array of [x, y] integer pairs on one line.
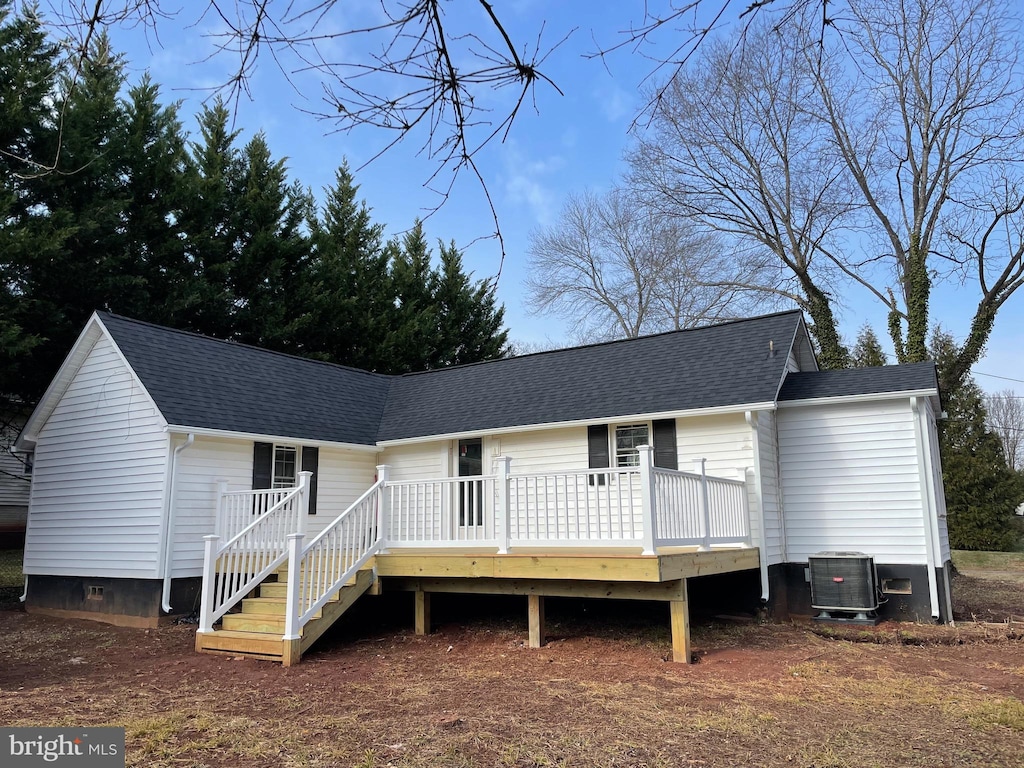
{"points": [[199, 468], [344, 477], [417, 461], [99, 477], [851, 481], [551, 450]]}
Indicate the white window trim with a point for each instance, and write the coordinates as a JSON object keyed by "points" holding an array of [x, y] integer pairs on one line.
{"points": [[274, 481], [613, 431]]}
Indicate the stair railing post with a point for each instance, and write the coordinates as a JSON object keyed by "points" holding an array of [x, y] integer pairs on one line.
{"points": [[303, 505], [648, 505], [211, 543], [383, 504], [291, 608], [503, 513], [700, 466]]}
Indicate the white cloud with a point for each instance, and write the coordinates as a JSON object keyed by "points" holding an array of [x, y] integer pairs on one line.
{"points": [[529, 182]]}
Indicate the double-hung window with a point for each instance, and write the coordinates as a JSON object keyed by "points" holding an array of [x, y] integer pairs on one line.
{"points": [[285, 466], [628, 439]]}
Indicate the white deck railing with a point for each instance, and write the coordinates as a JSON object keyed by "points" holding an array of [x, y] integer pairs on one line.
{"points": [[232, 570], [317, 571], [455, 511], [642, 506], [576, 508]]}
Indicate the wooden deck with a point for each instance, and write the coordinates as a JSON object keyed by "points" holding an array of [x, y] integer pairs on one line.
{"points": [[596, 573]]}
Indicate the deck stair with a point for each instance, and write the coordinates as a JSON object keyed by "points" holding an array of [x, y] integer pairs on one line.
{"points": [[257, 630]]}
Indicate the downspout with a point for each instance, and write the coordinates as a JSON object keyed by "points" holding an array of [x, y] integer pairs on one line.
{"points": [[752, 422], [168, 552], [928, 512]]}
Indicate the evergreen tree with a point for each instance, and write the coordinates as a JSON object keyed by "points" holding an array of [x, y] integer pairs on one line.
{"points": [[271, 251], [76, 222], [28, 71], [412, 338], [352, 296], [981, 490], [153, 170], [212, 179], [469, 325], [867, 352]]}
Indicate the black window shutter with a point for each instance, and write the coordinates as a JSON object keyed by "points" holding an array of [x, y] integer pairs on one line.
{"points": [[310, 462], [597, 450], [597, 446], [665, 444], [262, 465]]}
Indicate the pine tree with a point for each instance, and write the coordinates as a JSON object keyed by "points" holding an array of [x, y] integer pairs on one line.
{"points": [[352, 296], [981, 491], [867, 352], [412, 338], [271, 251], [212, 180], [28, 71], [469, 326]]}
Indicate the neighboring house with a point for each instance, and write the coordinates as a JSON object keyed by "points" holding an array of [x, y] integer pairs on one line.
{"points": [[15, 477], [149, 439]]}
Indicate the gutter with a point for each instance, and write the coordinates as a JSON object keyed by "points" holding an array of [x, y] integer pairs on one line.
{"points": [[168, 548]]}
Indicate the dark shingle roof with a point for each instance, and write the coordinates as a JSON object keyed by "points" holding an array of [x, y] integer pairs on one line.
{"points": [[206, 383], [716, 366], [914, 377], [201, 382]]}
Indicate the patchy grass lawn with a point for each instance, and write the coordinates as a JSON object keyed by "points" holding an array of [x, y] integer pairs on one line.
{"points": [[373, 695], [1000, 562]]}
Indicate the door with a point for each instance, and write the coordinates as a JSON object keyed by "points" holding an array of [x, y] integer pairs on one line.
{"points": [[471, 497]]}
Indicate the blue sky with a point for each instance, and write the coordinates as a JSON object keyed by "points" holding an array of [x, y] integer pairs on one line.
{"points": [[565, 144]]}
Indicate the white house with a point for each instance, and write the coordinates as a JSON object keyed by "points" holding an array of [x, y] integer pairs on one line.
{"points": [[150, 439], [15, 476]]}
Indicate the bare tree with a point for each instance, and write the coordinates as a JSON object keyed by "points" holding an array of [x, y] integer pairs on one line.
{"points": [[1005, 417], [613, 268], [901, 138]]}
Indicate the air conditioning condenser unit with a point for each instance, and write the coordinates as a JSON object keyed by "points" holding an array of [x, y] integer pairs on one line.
{"points": [[844, 587]]}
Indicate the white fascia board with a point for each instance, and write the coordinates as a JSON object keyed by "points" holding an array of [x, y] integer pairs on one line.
{"points": [[864, 398], [624, 418], [262, 438]]}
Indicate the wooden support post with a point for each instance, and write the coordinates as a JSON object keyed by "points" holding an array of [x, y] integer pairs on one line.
{"points": [[680, 612], [422, 612], [535, 609]]}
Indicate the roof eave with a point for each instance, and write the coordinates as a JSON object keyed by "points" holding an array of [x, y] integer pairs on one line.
{"points": [[264, 438], [712, 411], [905, 394]]}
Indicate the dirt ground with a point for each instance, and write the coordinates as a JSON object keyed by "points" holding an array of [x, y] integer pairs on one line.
{"points": [[601, 693]]}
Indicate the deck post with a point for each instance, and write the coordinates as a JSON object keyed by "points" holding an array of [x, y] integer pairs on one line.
{"points": [[700, 466], [210, 546], [383, 476], [422, 612], [680, 614], [535, 619], [504, 513], [291, 609], [648, 507], [304, 485]]}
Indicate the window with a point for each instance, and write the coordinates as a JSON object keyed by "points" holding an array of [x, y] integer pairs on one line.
{"points": [[285, 466], [628, 438]]}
